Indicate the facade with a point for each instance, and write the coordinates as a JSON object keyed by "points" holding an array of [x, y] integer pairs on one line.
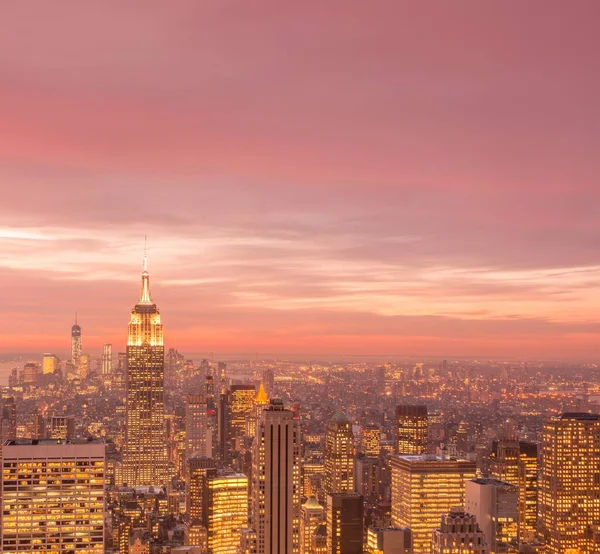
{"points": [[495, 505], [38, 518], [235, 413], [516, 462], [107, 360], [49, 364], [145, 458], [339, 455], [389, 540], [76, 349], [312, 514], [198, 434], [276, 482], [62, 427], [569, 498], [410, 437], [458, 533], [370, 441], [225, 511], [423, 487], [344, 523], [8, 424], [198, 471]]}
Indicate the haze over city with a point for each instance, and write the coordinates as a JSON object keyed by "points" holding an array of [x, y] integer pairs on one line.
{"points": [[313, 180]]}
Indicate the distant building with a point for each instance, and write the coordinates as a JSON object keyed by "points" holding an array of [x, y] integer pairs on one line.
{"points": [[344, 523], [50, 364], [236, 411], [107, 367], [411, 433], [33, 472], [370, 441], [339, 455], [458, 533], [62, 427], [31, 373], [76, 348], [198, 435]]}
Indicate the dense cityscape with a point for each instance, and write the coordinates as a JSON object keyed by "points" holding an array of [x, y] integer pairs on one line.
{"points": [[143, 451]]}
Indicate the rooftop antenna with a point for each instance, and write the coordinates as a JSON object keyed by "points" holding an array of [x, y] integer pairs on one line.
{"points": [[145, 252]]}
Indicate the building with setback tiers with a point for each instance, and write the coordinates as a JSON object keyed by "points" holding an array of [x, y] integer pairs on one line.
{"points": [[145, 460], [276, 481]]}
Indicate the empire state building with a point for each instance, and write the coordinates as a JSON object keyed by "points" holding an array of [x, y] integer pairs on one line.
{"points": [[145, 459]]}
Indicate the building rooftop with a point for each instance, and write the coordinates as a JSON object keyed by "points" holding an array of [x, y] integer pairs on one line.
{"points": [[491, 482], [50, 442], [340, 417], [581, 416]]}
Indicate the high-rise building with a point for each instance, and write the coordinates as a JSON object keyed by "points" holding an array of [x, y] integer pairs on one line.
{"points": [[569, 494], [198, 470], [370, 441], [260, 403], [145, 459], [268, 378], [410, 436], [312, 514], [236, 411], [62, 427], [367, 478], [276, 481], [458, 533], [495, 505], [76, 348], [107, 360], [52, 496], [84, 365], [31, 373], [339, 455], [198, 435], [8, 424], [344, 523], [49, 363], [516, 462], [225, 511], [423, 487], [389, 540]]}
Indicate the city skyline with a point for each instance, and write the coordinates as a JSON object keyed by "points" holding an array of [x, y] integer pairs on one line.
{"points": [[344, 181]]}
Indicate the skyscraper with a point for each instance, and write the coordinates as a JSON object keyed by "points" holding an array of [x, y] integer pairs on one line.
{"points": [[410, 437], [458, 533], [8, 424], [225, 511], [495, 505], [276, 481], [235, 413], [62, 427], [339, 455], [569, 494], [198, 435], [49, 363], [344, 523], [107, 360], [423, 487], [52, 496], [516, 462], [145, 459], [312, 514], [370, 441], [76, 348]]}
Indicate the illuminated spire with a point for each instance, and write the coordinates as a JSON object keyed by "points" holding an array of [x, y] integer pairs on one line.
{"points": [[145, 296], [261, 397]]}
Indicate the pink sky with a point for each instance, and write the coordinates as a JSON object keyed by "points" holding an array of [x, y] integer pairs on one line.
{"points": [[411, 178]]}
